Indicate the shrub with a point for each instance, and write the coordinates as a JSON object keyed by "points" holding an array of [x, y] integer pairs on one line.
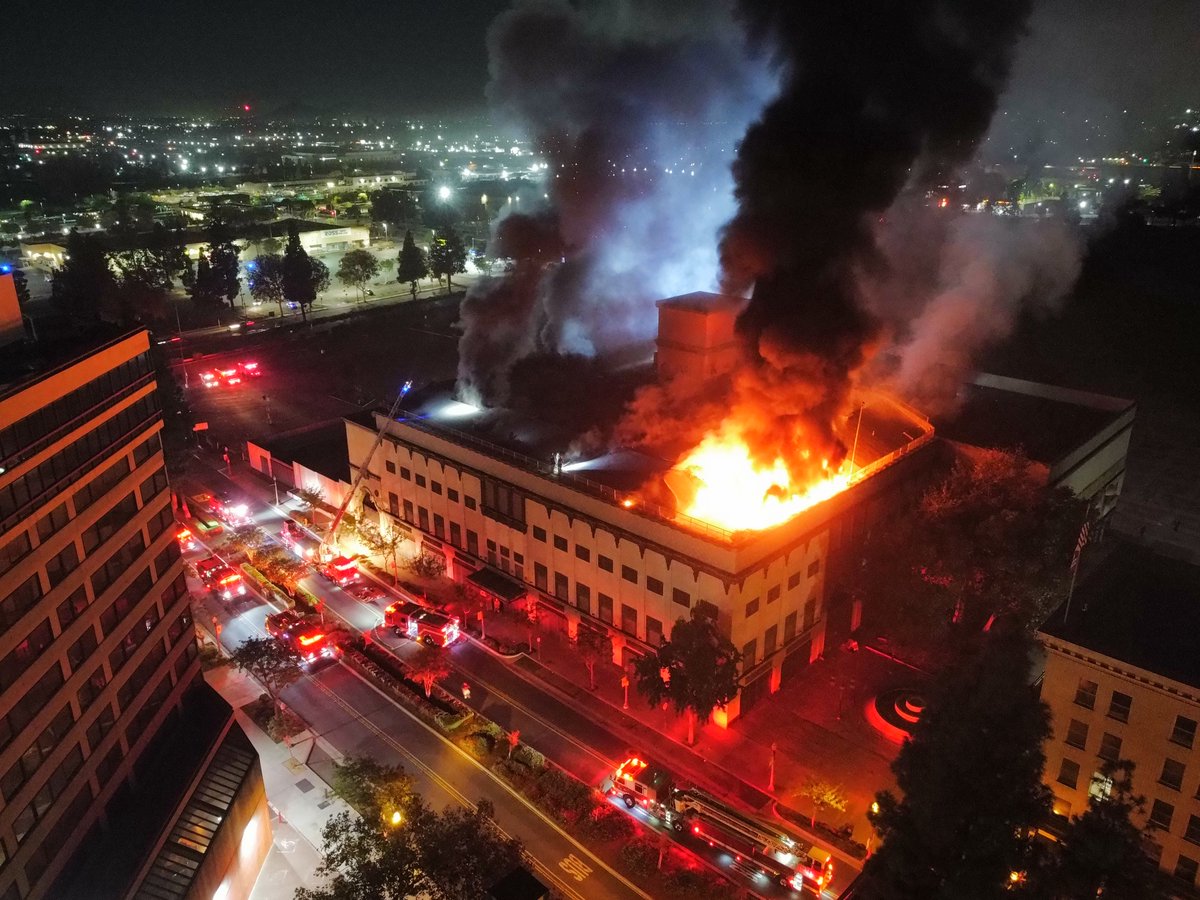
{"points": [[640, 856], [282, 725], [306, 598], [606, 823], [564, 795]]}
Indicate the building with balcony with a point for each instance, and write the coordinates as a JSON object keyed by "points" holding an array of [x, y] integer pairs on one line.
{"points": [[99, 670], [1122, 680]]}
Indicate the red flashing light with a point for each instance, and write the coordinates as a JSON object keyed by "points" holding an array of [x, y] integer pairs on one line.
{"points": [[245, 107], [391, 608], [695, 829], [310, 639], [231, 579]]}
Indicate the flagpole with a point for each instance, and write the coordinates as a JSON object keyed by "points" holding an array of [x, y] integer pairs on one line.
{"points": [[1080, 543], [1070, 592]]}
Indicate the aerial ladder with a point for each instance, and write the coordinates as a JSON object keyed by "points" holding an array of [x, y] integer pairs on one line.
{"points": [[330, 539]]}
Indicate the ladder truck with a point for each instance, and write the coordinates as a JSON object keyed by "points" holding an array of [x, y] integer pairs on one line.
{"points": [[326, 550]]}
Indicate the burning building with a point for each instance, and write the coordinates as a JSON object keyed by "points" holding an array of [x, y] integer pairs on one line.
{"points": [[626, 541]]}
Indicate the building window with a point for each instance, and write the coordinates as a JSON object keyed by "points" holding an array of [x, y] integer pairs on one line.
{"points": [[53, 522], [436, 487], [562, 588], [810, 612], [769, 640], [789, 627], [541, 576], [472, 542], [390, 466], [393, 504], [583, 597], [1077, 733], [1119, 707], [629, 574], [1172, 774], [1160, 814], [439, 526], [1193, 830], [470, 502], [451, 495], [1110, 747], [654, 586], [420, 479], [539, 534], [605, 563], [654, 632], [749, 650], [62, 565], [605, 612], [491, 552], [406, 474], [14, 551], [583, 553], [1068, 773], [1185, 869], [629, 618], [423, 518], [1085, 693], [1184, 732], [793, 581], [455, 534], [773, 594], [683, 598], [560, 542], [409, 515], [814, 567], [751, 607]]}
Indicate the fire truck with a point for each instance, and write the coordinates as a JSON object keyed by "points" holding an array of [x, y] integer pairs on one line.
{"points": [[302, 634], [421, 624], [758, 847], [341, 570], [232, 512], [219, 578], [298, 542], [187, 540]]}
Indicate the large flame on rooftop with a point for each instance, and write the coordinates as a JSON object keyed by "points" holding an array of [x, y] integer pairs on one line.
{"points": [[736, 492]]}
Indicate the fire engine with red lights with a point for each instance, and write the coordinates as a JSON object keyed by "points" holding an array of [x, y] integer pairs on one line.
{"points": [[303, 546], [341, 570], [758, 848], [421, 623], [187, 540], [220, 579], [304, 635]]}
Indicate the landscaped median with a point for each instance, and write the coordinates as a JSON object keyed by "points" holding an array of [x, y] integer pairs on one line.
{"points": [[652, 860]]}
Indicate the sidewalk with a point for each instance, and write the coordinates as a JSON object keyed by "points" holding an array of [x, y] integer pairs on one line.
{"points": [[295, 793]]}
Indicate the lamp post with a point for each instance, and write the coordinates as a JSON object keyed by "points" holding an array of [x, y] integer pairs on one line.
{"points": [[771, 780], [625, 685]]}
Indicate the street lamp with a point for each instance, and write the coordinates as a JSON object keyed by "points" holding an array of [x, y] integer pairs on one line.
{"points": [[396, 819], [444, 193]]}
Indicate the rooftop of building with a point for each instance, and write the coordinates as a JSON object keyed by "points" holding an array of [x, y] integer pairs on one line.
{"points": [[1047, 422], [703, 301], [192, 234], [320, 448], [1139, 607], [61, 343]]}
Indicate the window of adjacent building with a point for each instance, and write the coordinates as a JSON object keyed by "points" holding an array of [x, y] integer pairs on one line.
{"points": [[810, 612], [561, 586], [51, 523], [1161, 814], [1184, 732], [654, 586], [405, 473], [1110, 747], [23, 598], [583, 597], [541, 576], [1172, 774], [789, 627], [491, 552], [773, 594], [62, 565], [436, 487], [1085, 693], [423, 518], [1185, 869], [470, 502], [605, 563], [1193, 830], [1118, 708], [421, 482], [1068, 773], [560, 542], [14, 551], [390, 466], [605, 611], [629, 619], [439, 526], [539, 534], [71, 608], [749, 651], [814, 567], [451, 495], [793, 581], [683, 598], [751, 607], [583, 553], [629, 574], [393, 504], [472, 542], [769, 640], [1077, 733], [409, 511], [654, 631], [455, 534]]}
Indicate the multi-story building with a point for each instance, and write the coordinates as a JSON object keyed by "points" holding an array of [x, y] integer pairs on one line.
{"points": [[1122, 681], [97, 647]]}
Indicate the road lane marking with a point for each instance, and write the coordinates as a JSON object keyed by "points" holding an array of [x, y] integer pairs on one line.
{"points": [[503, 784], [575, 867]]}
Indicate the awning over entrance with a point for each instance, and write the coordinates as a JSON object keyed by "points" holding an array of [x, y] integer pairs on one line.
{"points": [[497, 584]]}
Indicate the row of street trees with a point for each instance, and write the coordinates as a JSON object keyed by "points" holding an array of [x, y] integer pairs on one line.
{"points": [[294, 277]]}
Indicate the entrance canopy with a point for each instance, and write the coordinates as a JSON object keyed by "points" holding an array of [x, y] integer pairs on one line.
{"points": [[497, 584]]}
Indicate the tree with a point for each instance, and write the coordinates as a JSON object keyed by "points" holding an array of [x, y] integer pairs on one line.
{"points": [[85, 281], [593, 646], [426, 564], [696, 670], [373, 789], [299, 272], [222, 255], [971, 780], [248, 539], [429, 666], [447, 255], [1103, 852], [167, 249], [267, 279], [822, 795], [272, 663], [484, 264], [139, 289], [411, 264], [312, 499], [205, 289], [356, 268]]}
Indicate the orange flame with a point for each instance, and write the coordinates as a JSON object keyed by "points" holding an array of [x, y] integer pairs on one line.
{"points": [[737, 493]]}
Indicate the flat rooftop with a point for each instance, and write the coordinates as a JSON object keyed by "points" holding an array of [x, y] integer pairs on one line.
{"points": [[1139, 607], [1047, 422], [26, 362], [320, 448], [703, 301]]}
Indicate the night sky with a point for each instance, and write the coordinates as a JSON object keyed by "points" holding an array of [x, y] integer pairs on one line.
{"points": [[401, 57]]}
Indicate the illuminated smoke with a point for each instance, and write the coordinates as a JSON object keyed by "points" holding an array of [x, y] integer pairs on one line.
{"points": [[637, 107]]}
